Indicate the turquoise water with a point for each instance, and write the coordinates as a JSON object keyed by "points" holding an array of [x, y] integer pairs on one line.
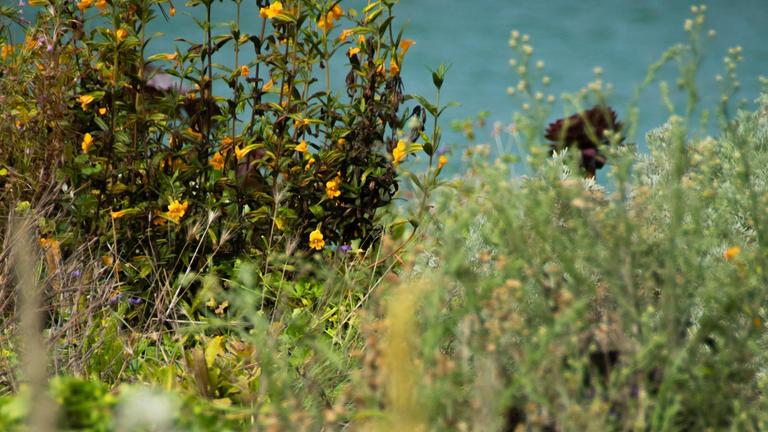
{"points": [[572, 37], [622, 37]]}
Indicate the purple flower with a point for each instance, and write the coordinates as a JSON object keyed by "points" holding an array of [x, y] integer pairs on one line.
{"points": [[115, 299], [135, 301], [345, 248], [76, 273]]}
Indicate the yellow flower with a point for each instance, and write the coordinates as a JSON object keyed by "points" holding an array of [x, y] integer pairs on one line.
{"points": [[394, 69], [353, 51], [87, 142], [240, 153], [341, 142], [279, 223], [337, 12], [316, 240], [332, 187], [302, 147], [85, 100], [217, 161], [268, 86], [380, 69], [121, 34], [346, 33], [301, 122], [48, 243], [84, 4], [405, 45], [310, 162], [172, 11], [30, 42], [6, 50], [272, 11], [361, 39], [102, 111], [731, 253], [176, 210], [326, 22], [102, 5], [399, 153], [118, 214], [442, 161], [221, 308], [244, 71]]}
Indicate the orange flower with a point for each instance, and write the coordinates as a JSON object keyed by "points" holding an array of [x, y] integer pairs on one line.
{"points": [[172, 11], [226, 143], [217, 161], [5, 50], [353, 51], [118, 214], [244, 71], [102, 5], [731, 253], [326, 22], [405, 45], [102, 111], [157, 218], [268, 86], [442, 161], [84, 4], [337, 12], [394, 69]]}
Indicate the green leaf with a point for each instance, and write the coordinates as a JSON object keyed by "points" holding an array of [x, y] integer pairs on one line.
{"points": [[212, 349], [427, 105]]}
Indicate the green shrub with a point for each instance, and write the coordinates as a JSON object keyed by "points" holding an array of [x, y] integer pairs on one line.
{"points": [[164, 174]]}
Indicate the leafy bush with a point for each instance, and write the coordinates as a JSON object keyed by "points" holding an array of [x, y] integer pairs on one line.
{"points": [[166, 174]]}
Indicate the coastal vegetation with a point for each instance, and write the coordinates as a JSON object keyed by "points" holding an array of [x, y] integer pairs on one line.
{"points": [[274, 244]]}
